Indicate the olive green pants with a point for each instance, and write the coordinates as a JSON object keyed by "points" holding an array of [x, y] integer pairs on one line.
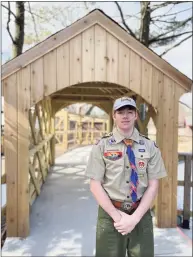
{"points": [[111, 243]]}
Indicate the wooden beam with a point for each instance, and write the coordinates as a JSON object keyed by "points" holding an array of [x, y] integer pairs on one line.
{"points": [[34, 180], [40, 145], [187, 192], [182, 183], [84, 95], [3, 179], [71, 100], [23, 101], [11, 158], [98, 85]]}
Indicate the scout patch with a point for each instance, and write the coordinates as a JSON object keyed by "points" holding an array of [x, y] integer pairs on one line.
{"points": [[141, 150], [141, 142], [113, 155], [141, 164]]}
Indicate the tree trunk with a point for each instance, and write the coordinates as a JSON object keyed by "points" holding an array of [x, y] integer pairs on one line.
{"points": [[19, 29], [145, 23], [90, 110]]}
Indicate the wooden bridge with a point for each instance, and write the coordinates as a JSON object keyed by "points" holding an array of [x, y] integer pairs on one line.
{"points": [[93, 61]]}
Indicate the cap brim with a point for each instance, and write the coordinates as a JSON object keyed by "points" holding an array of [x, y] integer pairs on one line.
{"points": [[124, 104]]}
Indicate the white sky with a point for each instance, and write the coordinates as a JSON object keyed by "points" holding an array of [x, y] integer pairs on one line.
{"points": [[180, 57]]}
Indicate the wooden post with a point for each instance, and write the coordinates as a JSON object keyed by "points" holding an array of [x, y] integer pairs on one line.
{"points": [[65, 135], [17, 100], [187, 188], [87, 134], [111, 122], [76, 134], [53, 139], [108, 127], [11, 146], [80, 130], [23, 101], [167, 141]]}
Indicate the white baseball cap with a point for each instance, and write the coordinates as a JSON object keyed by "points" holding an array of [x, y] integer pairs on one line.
{"points": [[124, 101]]}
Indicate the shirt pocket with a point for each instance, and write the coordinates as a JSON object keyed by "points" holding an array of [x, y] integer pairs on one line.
{"points": [[141, 161], [114, 162]]}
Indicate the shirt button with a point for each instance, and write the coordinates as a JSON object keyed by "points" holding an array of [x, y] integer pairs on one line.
{"points": [[127, 181], [128, 196], [127, 167]]}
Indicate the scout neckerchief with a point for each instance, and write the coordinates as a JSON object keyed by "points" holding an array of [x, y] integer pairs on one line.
{"points": [[134, 175]]}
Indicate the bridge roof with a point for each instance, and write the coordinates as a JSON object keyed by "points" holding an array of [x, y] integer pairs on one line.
{"points": [[95, 17]]}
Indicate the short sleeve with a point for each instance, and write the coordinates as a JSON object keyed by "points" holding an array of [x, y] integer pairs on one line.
{"points": [[96, 167], [155, 167]]}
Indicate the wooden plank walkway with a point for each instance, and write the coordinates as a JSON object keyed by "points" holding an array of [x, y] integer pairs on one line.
{"points": [[64, 215]]}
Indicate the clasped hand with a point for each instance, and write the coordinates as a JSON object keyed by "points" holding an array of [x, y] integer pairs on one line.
{"points": [[126, 224]]}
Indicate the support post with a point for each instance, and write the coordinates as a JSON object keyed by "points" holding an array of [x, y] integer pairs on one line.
{"points": [[53, 140], [17, 100], [65, 135]]}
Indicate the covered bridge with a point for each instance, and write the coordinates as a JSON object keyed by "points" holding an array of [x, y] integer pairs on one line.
{"points": [[94, 61]]}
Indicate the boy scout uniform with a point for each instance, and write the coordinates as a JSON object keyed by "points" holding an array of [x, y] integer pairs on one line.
{"points": [[109, 163]]}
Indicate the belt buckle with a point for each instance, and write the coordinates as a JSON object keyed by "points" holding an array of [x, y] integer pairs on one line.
{"points": [[126, 206]]}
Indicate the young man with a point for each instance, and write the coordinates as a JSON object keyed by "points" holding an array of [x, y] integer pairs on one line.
{"points": [[124, 168]]}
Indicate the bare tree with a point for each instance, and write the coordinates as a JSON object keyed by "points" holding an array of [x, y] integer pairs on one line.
{"points": [[19, 19], [169, 30]]}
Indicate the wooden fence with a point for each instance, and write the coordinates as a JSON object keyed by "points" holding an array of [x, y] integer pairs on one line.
{"points": [[72, 130]]}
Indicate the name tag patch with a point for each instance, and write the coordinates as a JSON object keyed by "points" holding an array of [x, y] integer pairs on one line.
{"points": [[113, 155], [141, 150]]}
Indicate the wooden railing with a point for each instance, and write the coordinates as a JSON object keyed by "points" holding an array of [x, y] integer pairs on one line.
{"points": [[72, 130], [187, 184]]}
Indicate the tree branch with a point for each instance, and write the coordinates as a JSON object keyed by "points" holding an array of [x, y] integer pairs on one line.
{"points": [[123, 20], [155, 7], [170, 37], [170, 22], [9, 9], [164, 15], [179, 43], [155, 39], [8, 21], [35, 28]]}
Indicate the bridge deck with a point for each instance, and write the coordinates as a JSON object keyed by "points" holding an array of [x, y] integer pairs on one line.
{"points": [[64, 215]]}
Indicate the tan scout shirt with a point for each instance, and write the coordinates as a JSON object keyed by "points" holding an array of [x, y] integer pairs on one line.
{"points": [[108, 163]]}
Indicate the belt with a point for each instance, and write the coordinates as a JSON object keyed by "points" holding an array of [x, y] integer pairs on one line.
{"points": [[125, 205]]}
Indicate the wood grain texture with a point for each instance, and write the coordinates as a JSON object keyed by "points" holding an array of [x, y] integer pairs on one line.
{"points": [[11, 158]]}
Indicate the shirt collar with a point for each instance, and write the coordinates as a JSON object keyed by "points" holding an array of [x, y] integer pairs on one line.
{"points": [[119, 137]]}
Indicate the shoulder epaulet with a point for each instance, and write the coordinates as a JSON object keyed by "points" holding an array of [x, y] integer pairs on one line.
{"points": [[144, 136], [107, 135]]}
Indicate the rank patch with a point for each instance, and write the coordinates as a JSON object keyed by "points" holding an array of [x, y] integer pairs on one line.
{"points": [[113, 155], [141, 164]]}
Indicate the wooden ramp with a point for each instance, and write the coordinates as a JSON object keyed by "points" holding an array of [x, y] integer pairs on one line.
{"points": [[62, 221]]}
